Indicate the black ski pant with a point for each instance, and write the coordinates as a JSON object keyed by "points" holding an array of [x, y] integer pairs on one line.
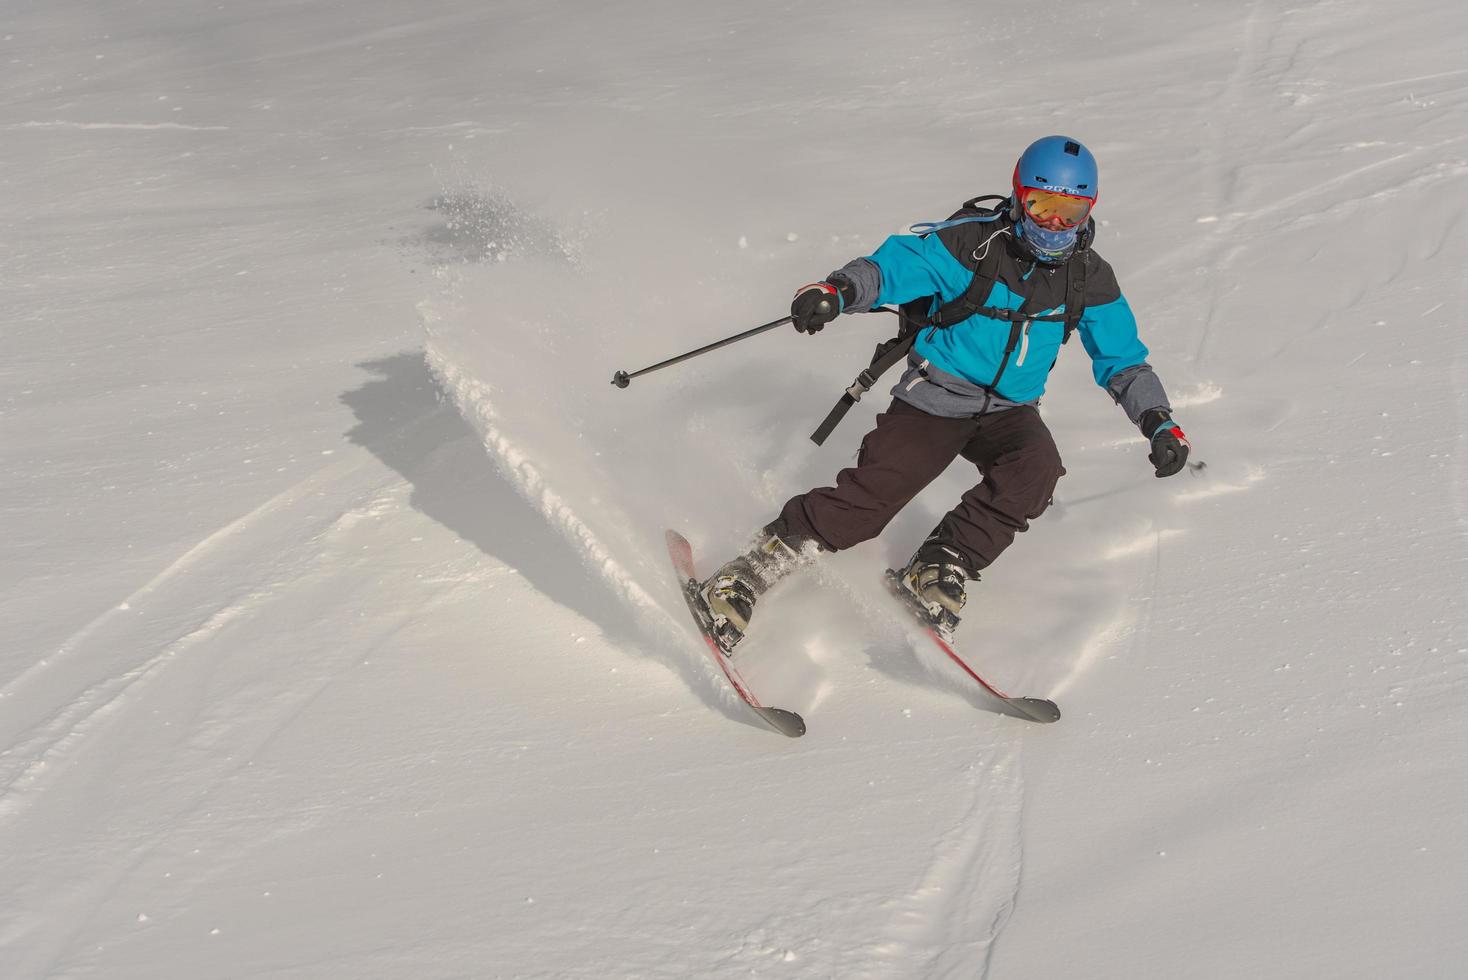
{"points": [[1012, 449]]}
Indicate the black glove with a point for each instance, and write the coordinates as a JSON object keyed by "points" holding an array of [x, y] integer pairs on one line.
{"points": [[816, 305], [1169, 446]]}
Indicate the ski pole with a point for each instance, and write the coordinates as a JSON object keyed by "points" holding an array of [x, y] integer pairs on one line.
{"points": [[622, 379]]}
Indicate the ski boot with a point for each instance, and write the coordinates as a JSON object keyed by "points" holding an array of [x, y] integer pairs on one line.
{"points": [[731, 592], [933, 582]]}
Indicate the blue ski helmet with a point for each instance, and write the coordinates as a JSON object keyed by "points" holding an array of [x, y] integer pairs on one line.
{"points": [[1055, 183]]}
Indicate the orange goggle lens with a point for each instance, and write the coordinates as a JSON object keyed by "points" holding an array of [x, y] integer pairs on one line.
{"points": [[1053, 210]]}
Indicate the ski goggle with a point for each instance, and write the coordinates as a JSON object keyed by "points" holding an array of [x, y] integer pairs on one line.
{"points": [[1054, 210]]}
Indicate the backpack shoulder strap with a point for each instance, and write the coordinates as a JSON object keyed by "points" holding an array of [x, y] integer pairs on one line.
{"points": [[975, 297], [1075, 293]]}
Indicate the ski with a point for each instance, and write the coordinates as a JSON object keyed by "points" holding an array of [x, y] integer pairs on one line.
{"points": [[781, 720], [1032, 709]]}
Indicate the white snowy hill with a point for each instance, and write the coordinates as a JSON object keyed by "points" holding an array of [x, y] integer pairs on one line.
{"points": [[338, 637]]}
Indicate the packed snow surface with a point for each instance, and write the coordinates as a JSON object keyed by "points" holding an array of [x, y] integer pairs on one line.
{"points": [[339, 639]]}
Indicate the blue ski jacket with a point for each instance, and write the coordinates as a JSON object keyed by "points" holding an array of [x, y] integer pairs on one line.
{"points": [[962, 370]]}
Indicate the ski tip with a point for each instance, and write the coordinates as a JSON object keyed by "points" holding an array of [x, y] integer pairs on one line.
{"points": [[1036, 709], [785, 722]]}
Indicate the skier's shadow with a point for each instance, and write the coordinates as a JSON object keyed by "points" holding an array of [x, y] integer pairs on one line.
{"points": [[405, 419]]}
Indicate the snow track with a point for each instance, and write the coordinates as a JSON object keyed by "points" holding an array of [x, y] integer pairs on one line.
{"points": [[338, 635], [948, 921], [203, 696]]}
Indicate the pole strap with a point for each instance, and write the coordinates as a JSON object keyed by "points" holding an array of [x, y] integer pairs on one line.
{"points": [[895, 350]]}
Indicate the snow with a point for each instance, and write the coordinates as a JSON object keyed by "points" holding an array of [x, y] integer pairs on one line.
{"points": [[339, 638]]}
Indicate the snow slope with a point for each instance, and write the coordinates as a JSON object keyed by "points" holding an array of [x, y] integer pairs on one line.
{"points": [[339, 641]]}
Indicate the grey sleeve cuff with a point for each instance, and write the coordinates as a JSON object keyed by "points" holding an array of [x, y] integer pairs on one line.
{"points": [[866, 279], [1137, 390]]}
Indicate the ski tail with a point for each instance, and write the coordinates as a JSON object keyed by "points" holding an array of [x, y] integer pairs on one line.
{"points": [[1031, 709], [1034, 709]]}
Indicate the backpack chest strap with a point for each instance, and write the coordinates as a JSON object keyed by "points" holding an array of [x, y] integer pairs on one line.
{"points": [[975, 298]]}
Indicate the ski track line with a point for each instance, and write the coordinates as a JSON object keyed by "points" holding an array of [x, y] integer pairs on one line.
{"points": [[129, 126], [941, 916], [184, 563], [248, 729], [1392, 83], [1151, 541], [1305, 217], [75, 721], [44, 745], [316, 483], [1125, 620], [1250, 72], [965, 897], [1460, 443], [72, 726], [91, 893]]}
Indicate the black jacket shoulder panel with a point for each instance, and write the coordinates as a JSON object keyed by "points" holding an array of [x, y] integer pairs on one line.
{"points": [[962, 241], [1101, 284]]}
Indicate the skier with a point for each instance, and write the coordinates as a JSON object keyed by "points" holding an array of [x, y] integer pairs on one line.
{"points": [[994, 294]]}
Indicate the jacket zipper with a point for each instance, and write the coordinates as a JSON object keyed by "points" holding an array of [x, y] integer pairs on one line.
{"points": [[920, 377]]}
